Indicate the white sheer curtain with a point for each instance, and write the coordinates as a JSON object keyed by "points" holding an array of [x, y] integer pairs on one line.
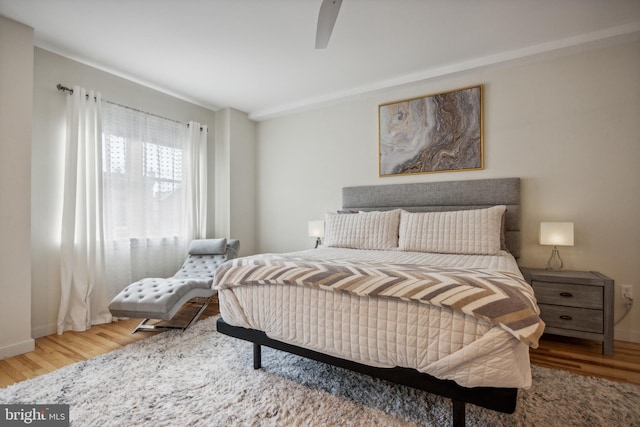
{"points": [[196, 180], [152, 179], [83, 298]]}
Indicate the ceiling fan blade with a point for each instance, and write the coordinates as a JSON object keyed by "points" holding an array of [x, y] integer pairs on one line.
{"points": [[326, 20]]}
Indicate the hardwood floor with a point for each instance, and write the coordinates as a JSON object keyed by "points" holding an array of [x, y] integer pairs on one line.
{"points": [[55, 351], [585, 357]]}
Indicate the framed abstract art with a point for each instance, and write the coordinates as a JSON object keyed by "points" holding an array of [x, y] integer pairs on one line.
{"points": [[434, 133]]}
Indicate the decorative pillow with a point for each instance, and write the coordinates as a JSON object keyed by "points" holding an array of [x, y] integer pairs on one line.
{"points": [[208, 246], [364, 230], [470, 232], [503, 231]]}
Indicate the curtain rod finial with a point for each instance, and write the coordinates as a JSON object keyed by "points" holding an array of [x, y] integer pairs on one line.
{"points": [[64, 88]]}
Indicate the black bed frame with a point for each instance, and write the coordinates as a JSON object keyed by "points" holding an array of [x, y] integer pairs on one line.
{"points": [[419, 197], [497, 399]]}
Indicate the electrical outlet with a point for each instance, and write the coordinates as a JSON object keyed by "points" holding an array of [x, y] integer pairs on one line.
{"points": [[626, 291]]}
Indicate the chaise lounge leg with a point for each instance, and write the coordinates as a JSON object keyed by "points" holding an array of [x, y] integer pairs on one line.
{"points": [[458, 413], [144, 327], [257, 356]]}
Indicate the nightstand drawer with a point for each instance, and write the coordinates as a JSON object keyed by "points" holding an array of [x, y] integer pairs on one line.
{"points": [[568, 294], [577, 319], [575, 303]]}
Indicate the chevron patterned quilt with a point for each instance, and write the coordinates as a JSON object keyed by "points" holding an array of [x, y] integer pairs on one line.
{"points": [[502, 298]]}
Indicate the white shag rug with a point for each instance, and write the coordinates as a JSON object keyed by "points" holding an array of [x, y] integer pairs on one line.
{"points": [[203, 378]]}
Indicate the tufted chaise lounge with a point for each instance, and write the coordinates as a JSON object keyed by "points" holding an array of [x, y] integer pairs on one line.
{"points": [[157, 298]]}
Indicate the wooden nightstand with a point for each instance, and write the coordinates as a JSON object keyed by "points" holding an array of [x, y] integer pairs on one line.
{"points": [[575, 303]]}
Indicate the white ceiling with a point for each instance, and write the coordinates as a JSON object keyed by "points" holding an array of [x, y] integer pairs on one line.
{"points": [[258, 56]]}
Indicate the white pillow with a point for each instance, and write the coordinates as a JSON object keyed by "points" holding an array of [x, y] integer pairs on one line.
{"points": [[470, 232], [363, 230]]}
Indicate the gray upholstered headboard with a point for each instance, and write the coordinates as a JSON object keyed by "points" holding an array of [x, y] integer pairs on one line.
{"points": [[443, 196]]}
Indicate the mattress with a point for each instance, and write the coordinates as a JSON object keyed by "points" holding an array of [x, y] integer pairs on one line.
{"points": [[387, 332]]}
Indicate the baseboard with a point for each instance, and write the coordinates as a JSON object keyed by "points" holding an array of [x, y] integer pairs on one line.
{"points": [[17, 348], [43, 331], [626, 335]]}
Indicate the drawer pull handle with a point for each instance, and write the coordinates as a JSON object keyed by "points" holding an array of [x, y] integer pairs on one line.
{"points": [[565, 317], [566, 294]]}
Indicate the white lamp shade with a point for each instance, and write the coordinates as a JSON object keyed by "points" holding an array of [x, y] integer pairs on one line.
{"points": [[556, 233], [316, 228]]}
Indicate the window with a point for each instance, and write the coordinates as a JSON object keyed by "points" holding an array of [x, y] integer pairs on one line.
{"points": [[143, 191]]}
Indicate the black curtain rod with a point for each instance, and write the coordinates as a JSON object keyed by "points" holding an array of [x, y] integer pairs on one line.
{"points": [[66, 89]]}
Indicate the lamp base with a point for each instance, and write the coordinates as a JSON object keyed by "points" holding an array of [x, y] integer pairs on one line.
{"points": [[555, 262], [317, 242]]}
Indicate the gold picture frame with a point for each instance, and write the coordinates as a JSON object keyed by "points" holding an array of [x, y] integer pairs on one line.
{"points": [[443, 132]]}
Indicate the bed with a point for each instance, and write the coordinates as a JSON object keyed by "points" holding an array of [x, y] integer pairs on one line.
{"points": [[415, 283]]}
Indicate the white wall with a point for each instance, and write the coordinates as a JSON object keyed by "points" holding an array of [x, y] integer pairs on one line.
{"points": [[235, 179], [569, 126], [16, 102], [242, 203], [48, 153]]}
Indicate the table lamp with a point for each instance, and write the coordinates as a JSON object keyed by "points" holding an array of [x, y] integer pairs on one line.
{"points": [[556, 234], [316, 229]]}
